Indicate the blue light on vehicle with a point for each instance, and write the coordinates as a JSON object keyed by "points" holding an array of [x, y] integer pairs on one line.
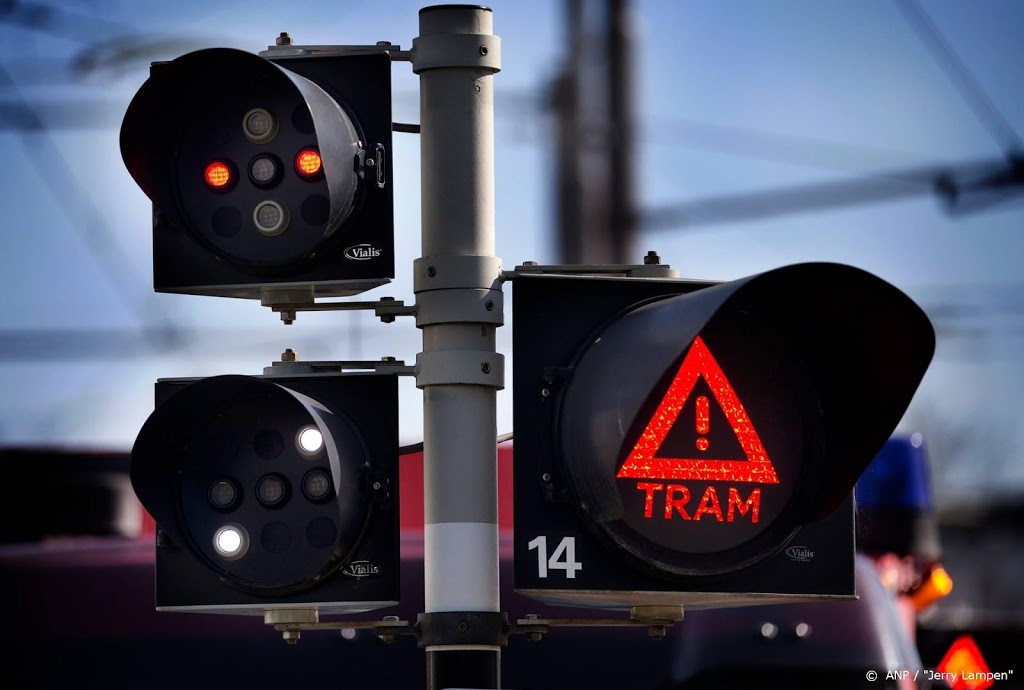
{"points": [[898, 477]]}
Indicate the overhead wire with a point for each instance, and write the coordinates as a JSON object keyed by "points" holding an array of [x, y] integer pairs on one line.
{"points": [[961, 77]]}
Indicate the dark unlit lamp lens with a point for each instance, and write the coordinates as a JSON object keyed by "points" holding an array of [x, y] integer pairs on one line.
{"points": [[263, 170], [222, 494], [270, 217], [270, 490], [259, 125], [316, 485]]}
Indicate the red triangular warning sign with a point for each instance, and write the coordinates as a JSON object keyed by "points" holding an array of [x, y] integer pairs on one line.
{"points": [[642, 463]]}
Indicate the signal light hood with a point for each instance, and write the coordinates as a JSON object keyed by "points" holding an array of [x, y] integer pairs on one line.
{"points": [[177, 91], [164, 442], [863, 344]]}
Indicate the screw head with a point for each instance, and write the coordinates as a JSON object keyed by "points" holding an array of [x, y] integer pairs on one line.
{"points": [[489, 305], [284, 39], [546, 476], [545, 392], [431, 271], [463, 626], [483, 50], [376, 486], [485, 367]]}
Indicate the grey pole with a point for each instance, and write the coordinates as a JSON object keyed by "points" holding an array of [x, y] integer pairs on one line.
{"points": [[459, 306]]}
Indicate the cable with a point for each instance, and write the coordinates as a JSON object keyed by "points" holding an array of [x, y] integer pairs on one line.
{"points": [[822, 196], [961, 77], [76, 204]]}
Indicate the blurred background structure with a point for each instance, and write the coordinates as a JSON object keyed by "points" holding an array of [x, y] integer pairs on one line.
{"points": [[729, 137]]}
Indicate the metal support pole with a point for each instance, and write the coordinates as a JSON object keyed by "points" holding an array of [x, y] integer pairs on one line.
{"points": [[459, 306]]}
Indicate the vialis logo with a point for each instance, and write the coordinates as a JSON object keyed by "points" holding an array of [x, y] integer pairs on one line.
{"points": [[800, 553], [360, 569], [362, 252]]}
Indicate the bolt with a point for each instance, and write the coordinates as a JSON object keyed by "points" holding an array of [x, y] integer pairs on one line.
{"points": [[652, 259], [289, 355], [370, 163], [386, 636], [534, 636], [545, 392], [290, 636], [387, 318], [288, 317], [463, 626], [546, 476], [769, 631], [376, 486], [529, 263], [656, 632], [383, 43], [284, 39], [802, 630], [388, 359], [431, 271], [489, 305], [485, 367], [483, 50]]}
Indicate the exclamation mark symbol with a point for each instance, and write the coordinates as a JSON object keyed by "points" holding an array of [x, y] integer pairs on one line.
{"points": [[703, 421]]}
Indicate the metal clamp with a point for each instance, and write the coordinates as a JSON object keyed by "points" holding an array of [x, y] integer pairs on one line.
{"points": [[386, 308], [289, 365], [456, 271], [460, 306], [284, 46], [472, 367], [386, 629], [450, 628], [480, 51], [657, 620], [650, 268]]}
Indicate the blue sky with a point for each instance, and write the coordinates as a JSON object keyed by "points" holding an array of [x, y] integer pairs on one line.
{"points": [[733, 97]]}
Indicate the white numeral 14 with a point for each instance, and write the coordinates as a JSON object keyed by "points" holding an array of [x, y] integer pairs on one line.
{"points": [[564, 557]]}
